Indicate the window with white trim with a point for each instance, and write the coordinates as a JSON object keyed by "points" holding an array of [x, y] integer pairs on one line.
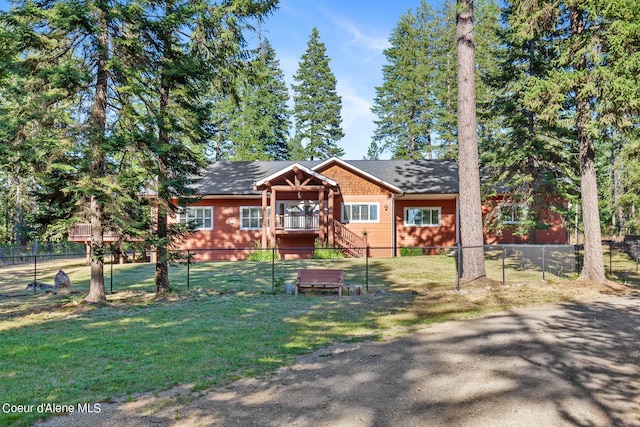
{"points": [[512, 213], [201, 218], [251, 217], [422, 217], [360, 212]]}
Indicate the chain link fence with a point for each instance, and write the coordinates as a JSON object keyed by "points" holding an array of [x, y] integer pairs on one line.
{"points": [[13, 255], [275, 270]]}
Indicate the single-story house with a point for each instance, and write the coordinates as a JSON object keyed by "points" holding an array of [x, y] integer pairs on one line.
{"points": [[349, 204]]}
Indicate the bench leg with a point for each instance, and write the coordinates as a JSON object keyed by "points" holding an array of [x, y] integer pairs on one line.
{"points": [[296, 292], [339, 291]]}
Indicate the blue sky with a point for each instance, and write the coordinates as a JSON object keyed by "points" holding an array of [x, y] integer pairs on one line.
{"points": [[355, 33]]}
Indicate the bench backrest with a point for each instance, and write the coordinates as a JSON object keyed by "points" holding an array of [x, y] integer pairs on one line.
{"points": [[320, 276]]}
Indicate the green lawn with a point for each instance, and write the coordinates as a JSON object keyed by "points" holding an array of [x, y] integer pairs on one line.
{"points": [[74, 353], [228, 324]]}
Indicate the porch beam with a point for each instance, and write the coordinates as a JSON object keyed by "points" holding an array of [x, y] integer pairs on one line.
{"points": [[322, 226], [272, 220], [298, 188], [264, 236], [330, 212]]}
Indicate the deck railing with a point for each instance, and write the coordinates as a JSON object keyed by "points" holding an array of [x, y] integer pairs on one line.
{"points": [[298, 222], [82, 233]]}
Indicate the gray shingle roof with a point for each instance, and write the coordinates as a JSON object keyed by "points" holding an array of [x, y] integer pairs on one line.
{"points": [[411, 176]]}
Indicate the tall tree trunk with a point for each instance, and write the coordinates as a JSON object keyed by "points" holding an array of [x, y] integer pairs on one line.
{"points": [[470, 203], [613, 176], [593, 267], [99, 119], [162, 263]]}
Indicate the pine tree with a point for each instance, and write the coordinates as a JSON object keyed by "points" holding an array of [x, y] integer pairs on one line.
{"points": [[317, 105], [171, 76], [528, 161], [593, 83], [416, 105], [405, 103], [260, 129], [60, 88], [470, 202]]}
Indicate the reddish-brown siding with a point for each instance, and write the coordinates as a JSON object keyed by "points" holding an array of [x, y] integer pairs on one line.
{"points": [[358, 189], [353, 184], [226, 233], [433, 236], [353, 188], [556, 233]]}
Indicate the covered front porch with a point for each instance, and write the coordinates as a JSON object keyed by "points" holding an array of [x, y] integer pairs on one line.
{"points": [[297, 201]]}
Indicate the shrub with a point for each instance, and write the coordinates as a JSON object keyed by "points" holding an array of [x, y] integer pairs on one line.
{"points": [[323, 251], [259, 254], [410, 251]]}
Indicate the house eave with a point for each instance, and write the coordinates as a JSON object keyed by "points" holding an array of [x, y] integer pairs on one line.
{"points": [[428, 196], [359, 171], [262, 182]]}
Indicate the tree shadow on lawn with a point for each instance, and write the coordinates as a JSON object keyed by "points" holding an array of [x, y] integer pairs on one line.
{"points": [[578, 365], [84, 353]]}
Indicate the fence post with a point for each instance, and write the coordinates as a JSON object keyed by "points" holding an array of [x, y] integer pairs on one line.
{"points": [[366, 268], [273, 270], [504, 255], [610, 258], [188, 268], [35, 272], [542, 262], [111, 273], [458, 265]]}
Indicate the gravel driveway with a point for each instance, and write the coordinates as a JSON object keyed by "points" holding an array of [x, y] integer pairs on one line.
{"points": [[575, 364]]}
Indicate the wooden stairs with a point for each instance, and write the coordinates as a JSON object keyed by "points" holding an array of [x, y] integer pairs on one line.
{"points": [[351, 245]]}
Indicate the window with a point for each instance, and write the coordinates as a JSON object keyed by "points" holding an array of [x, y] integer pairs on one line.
{"points": [[200, 217], [423, 217], [360, 212], [250, 218], [512, 213]]}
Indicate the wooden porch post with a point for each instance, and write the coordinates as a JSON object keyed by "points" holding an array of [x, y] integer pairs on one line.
{"points": [[330, 209], [263, 241], [322, 220], [272, 220], [87, 248]]}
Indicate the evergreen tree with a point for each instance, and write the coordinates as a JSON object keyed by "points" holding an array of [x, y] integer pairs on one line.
{"points": [[629, 182], [296, 150], [59, 118], [593, 84], [529, 161], [317, 106], [470, 202], [180, 52], [444, 85], [260, 129], [405, 103], [416, 105]]}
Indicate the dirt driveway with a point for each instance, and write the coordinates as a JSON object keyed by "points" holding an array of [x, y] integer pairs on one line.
{"points": [[573, 364]]}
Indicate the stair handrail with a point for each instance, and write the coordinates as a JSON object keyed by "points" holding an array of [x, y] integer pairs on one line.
{"points": [[352, 239]]}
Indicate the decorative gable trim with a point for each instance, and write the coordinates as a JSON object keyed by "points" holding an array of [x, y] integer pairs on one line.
{"points": [[290, 168], [358, 171]]}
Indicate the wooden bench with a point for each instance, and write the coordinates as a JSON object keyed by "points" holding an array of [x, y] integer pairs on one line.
{"points": [[322, 280]]}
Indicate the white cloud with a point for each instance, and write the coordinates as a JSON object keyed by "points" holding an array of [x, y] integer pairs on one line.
{"points": [[357, 122], [373, 44]]}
